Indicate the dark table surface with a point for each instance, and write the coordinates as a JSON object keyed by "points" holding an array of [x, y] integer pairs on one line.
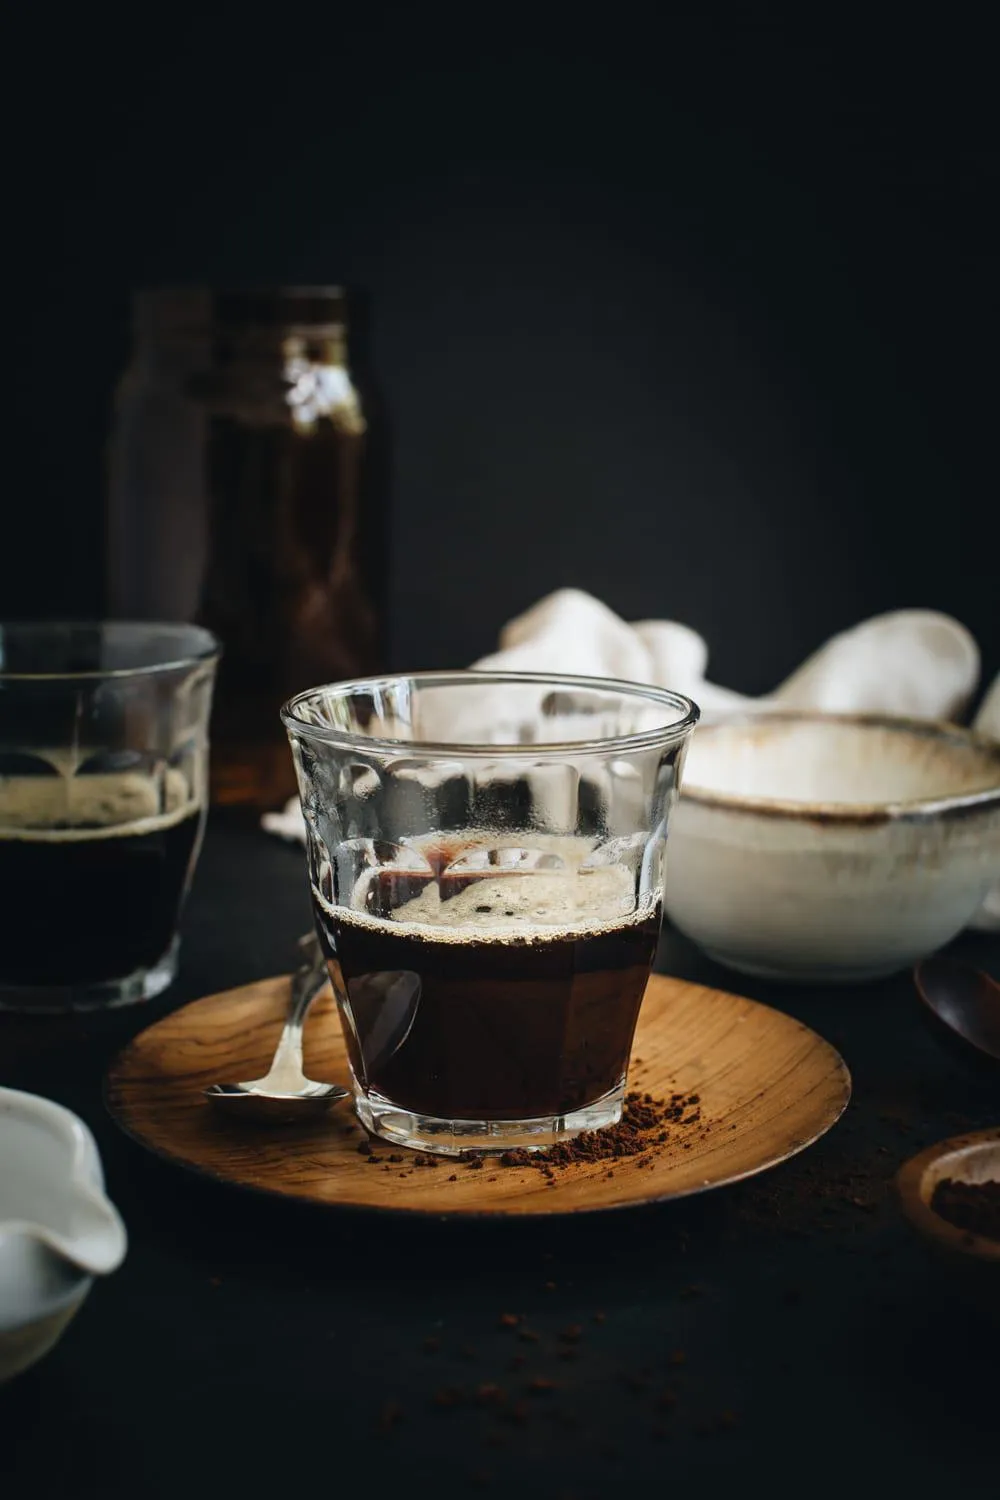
{"points": [[787, 1331]]}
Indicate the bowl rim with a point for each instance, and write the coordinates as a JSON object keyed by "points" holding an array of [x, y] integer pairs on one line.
{"points": [[854, 813], [914, 1196]]}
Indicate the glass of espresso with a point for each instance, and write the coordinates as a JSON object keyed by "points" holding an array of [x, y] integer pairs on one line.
{"points": [[103, 791], [486, 859]]}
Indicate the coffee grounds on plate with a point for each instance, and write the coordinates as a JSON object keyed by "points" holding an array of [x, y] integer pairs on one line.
{"points": [[643, 1125]]}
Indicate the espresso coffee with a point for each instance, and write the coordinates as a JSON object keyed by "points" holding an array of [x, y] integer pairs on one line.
{"points": [[93, 871], [491, 994]]}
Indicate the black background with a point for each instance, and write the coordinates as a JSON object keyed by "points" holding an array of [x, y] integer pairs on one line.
{"points": [[698, 316]]}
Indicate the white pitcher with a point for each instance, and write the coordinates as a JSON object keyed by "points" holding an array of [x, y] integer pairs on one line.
{"points": [[58, 1229]]}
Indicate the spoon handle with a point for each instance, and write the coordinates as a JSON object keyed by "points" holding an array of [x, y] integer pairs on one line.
{"points": [[307, 981]]}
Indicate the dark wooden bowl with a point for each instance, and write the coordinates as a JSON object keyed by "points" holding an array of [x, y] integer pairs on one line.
{"points": [[972, 1260]]}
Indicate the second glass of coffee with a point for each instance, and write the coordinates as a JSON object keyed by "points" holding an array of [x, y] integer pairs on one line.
{"points": [[103, 794], [486, 863]]}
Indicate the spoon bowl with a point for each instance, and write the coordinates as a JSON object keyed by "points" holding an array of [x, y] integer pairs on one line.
{"points": [[275, 1108], [284, 1093]]}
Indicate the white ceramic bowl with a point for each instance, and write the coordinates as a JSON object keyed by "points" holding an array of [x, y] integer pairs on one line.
{"points": [[57, 1228], [832, 848]]}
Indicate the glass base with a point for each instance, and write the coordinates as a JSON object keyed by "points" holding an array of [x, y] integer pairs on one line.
{"points": [[401, 1127], [102, 994]]}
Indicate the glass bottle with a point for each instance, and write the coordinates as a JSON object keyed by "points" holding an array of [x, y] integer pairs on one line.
{"points": [[245, 496]]}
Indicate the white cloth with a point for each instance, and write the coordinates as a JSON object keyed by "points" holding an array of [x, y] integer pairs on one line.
{"points": [[915, 663]]}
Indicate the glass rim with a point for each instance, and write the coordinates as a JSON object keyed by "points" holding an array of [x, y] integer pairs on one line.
{"points": [[210, 648], [496, 750]]}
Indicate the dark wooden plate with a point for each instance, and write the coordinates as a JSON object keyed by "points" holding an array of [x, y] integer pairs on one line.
{"points": [[768, 1087]]}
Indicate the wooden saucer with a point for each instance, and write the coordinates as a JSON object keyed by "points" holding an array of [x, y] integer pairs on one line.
{"points": [[768, 1087]]}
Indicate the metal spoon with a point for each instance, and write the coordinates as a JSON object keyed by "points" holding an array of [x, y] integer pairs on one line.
{"points": [[963, 1000], [285, 1093]]}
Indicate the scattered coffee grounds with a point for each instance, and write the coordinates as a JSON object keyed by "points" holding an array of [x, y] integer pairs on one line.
{"points": [[712, 1425], [644, 1123], [842, 1200], [489, 1394], [973, 1206], [390, 1416]]}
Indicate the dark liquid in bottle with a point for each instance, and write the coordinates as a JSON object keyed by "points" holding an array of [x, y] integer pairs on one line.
{"points": [[480, 1014], [286, 587]]}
